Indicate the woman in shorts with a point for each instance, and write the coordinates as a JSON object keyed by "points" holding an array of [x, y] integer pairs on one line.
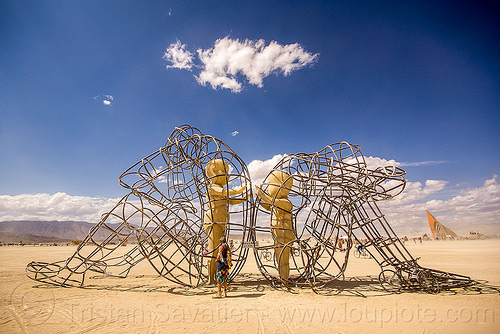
{"points": [[223, 265]]}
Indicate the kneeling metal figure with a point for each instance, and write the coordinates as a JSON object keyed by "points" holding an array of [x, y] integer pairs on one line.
{"points": [[180, 200], [312, 208]]}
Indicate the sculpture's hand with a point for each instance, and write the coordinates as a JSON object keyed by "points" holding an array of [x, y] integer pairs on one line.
{"points": [[233, 192], [262, 194], [242, 189], [266, 200], [258, 189]]}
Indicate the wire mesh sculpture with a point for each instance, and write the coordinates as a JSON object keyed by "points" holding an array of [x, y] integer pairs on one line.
{"points": [[182, 198], [313, 207], [310, 208]]}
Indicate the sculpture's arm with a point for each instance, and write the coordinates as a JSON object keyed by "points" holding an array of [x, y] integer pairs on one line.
{"points": [[216, 190], [233, 192], [266, 199], [221, 192], [233, 201], [281, 203]]}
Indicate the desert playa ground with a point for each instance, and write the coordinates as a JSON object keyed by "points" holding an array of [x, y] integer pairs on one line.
{"points": [[145, 303]]}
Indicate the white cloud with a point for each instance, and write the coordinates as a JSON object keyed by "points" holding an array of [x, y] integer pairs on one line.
{"points": [[259, 169], [179, 57], [375, 162], [473, 209], [234, 133], [415, 192], [228, 60], [59, 206], [422, 163], [107, 100]]}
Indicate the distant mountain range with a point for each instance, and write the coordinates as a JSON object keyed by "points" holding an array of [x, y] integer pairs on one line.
{"points": [[46, 231], [17, 231]]}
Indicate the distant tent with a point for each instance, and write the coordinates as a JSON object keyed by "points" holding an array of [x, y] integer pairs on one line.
{"points": [[439, 231]]}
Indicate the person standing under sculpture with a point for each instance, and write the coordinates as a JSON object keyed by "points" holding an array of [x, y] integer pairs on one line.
{"points": [[280, 206], [217, 215], [223, 266]]}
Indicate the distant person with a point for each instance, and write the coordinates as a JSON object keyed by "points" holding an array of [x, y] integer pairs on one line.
{"points": [[223, 265]]}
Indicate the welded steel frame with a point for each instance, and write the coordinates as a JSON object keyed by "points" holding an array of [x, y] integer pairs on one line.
{"points": [[338, 193], [334, 196], [163, 213]]}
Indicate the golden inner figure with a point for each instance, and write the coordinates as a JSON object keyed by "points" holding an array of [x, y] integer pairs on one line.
{"points": [[280, 206], [217, 214]]}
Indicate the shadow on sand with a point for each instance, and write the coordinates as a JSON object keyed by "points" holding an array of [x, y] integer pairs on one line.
{"points": [[255, 286]]}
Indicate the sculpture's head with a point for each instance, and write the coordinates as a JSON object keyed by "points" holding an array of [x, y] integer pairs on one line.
{"points": [[385, 182], [280, 184], [217, 171]]}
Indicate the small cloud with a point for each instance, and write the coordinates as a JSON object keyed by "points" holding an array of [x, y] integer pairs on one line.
{"points": [[231, 60], [422, 163], [180, 58], [104, 99], [234, 133], [169, 12]]}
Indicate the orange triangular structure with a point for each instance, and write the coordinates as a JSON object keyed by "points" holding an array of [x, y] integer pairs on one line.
{"points": [[439, 231], [432, 221]]}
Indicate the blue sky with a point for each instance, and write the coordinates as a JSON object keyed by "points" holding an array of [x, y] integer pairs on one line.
{"points": [[416, 82]]}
